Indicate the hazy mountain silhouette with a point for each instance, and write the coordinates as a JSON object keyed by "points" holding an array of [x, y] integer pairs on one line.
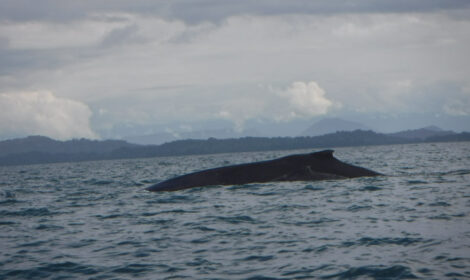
{"points": [[44, 144], [164, 137], [422, 133], [39, 149], [331, 125]]}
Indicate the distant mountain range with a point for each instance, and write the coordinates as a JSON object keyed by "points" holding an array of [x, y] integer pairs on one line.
{"points": [[39, 149], [332, 125], [164, 137], [422, 133], [47, 145], [321, 127], [324, 126]]}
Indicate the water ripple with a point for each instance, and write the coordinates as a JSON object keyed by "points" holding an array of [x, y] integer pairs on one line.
{"points": [[94, 220], [375, 272]]}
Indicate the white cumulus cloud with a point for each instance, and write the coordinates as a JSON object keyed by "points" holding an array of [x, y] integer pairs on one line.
{"points": [[43, 113], [307, 99], [300, 100]]}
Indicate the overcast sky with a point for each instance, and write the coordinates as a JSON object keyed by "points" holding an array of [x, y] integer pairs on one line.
{"points": [[99, 68]]}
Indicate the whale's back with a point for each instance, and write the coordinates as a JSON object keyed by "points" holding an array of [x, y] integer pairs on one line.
{"points": [[302, 167]]}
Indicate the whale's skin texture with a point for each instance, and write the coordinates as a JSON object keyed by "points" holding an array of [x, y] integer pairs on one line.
{"points": [[300, 167]]}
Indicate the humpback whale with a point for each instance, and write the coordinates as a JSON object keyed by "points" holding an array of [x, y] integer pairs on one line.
{"points": [[300, 167]]}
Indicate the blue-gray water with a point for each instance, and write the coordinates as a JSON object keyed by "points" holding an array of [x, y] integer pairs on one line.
{"points": [[94, 220]]}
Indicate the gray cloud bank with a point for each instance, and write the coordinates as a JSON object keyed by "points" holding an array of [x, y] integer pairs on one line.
{"points": [[147, 63], [211, 10]]}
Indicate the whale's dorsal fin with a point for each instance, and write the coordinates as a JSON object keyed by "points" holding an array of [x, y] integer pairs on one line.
{"points": [[324, 154]]}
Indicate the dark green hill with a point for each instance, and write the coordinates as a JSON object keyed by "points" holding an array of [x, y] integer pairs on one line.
{"points": [[47, 145], [38, 149]]}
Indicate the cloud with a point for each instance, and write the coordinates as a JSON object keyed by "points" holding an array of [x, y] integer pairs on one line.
{"points": [[42, 113], [148, 62], [307, 99], [458, 104], [122, 36], [194, 12], [47, 35], [239, 110], [301, 100]]}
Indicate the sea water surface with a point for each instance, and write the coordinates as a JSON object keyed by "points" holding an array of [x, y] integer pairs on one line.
{"points": [[94, 220]]}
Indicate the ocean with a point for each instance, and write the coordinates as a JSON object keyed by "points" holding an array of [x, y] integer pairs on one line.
{"points": [[94, 220]]}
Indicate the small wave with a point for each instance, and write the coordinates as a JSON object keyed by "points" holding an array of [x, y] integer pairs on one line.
{"points": [[59, 270], [33, 244], [136, 184], [176, 211], [113, 216], [369, 241], [314, 188], [459, 215], [133, 269], [198, 226], [416, 182], [440, 203], [95, 182], [237, 219], [197, 262], [136, 270], [149, 214], [144, 252], [268, 193], [242, 187], [375, 272], [441, 217], [152, 181], [49, 227], [202, 240], [305, 271], [357, 208], [311, 222], [159, 222], [81, 243], [9, 202], [261, 277], [319, 249], [370, 188], [173, 198], [9, 194], [129, 242], [201, 189], [30, 212], [257, 258], [459, 172], [454, 275]]}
